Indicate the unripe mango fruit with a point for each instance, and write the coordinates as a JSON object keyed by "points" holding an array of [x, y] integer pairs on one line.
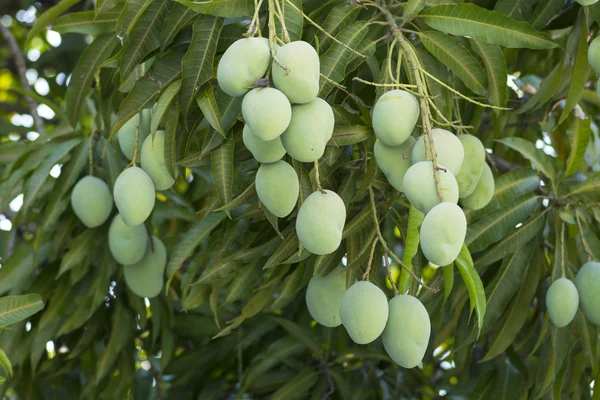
{"points": [[364, 312], [153, 161], [472, 166], [594, 54], [392, 162], [443, 233], [420, 188], [309, 131], [320, 222], [139, 122], [263, 152], [301, 84], [242, 64], [448, 148], [145, 277], [324, 297], [483, 193], [267, 112], [588, 286], [134, 195], [127, 244], [91, 201], [277, 186], [394, 117], [562, 301], [586, 2], [407, 332]]}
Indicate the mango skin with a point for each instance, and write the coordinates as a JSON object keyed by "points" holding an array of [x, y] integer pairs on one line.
{"points": [[448, 148], [407, 331], [420, 189], [153, 161], [267, 112], [310, 129], [588, 286], [301, 84], [145, 278], [242, 64], [443, 233], [127, 244], [586, 2], [134, 195], [91, 201], [127, 133], [392, 163], [263, 152], [320, 222], [483, 193], [562, 301], [394, 117], [472, 166], [364, 312], [277, 186], [324, 297]]}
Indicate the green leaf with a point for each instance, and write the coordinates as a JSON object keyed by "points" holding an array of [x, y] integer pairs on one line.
{"points": [[83, 73], [293, 20], [221, 8], [579, 136], [540, 160], [217, 271], [550, 85], [221, 161], [339, 18], [495, 66], [5, 364], [48, 17], [460, 61], [243, 198], [472, 281], [518, 10], [82, 246], [18, 308], [412, 8], [298, 385], [176, 19], [544, 12], [83, 22], [103, 6], [130, 13], [335, 60], [497, 224], [411, 245], [285, 249], [561, 252], [363, 219], [580, 73], [44, 100], [326, 263], [489, 26], [162, 105], [208, 104], [448, 271], [190, 240], [171, 129], [144, 37], [260, 300], [588, 334], [197, 64], [121, 332], [347, 135]]}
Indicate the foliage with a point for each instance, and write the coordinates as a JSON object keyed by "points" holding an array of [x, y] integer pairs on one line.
{"points": [[232, 320]]}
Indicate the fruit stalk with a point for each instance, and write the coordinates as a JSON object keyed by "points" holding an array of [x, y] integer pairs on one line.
{"points": [[273, 38]]}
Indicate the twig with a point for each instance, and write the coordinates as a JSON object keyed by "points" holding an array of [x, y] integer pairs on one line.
{"points": [[91, 155], [370, 262], [22, 71], [135, 146], [281, 16], [317, 177], [586, 246], [255, 22], [273, 38]]}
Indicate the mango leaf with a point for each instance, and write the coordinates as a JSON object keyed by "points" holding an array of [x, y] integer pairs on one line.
{"points": [[285, 249], [177, 18], [519, 10], [243, 198], [293, 20], [358, 223], [489, 26], [412, 8], [221, 161], [298, 385], [17, 308], [581, 71], [162, 105], [347, 135], [82, 246], [579, 136], [208, 104], [339, 18], [541, 160], [130, 13], [588, 334], [144, 37], [324, 264], [495, 66], [221, 8], [411, 246], [48, 16], [472, 281], [84, 22], [83, 73], [120, 333], [544, 11], [103, 6], [550, 85], [171, 129], [260, 300], [448, 271], [5, 364]]}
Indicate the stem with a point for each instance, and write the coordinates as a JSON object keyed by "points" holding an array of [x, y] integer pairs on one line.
{"points": [[255, 21], [286, 35], [370, 262], [317, 177], [586, 246], [135, 147], [273, 39], [91, 156], [402, 85]]}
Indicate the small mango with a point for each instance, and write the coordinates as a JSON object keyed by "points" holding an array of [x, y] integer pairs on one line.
{"points": [[145, 277], [277, 186], [393, 161], [127, 244], [364, 312], [483, 193], [242, 64], [134, 195], [443, 233], [263, 152], [324, 297], [394, 117], [153, 161], [448, 148], [91, 201], [421, 190], [301, 83], [472, 166], [321, 221], [267, 112], [588, 286], [562, 301]]}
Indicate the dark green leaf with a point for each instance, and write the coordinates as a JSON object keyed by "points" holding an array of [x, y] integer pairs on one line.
{"points": [[17, 308], [49, 16], [222, 8], [495, 66], [541, 160], [472, 281]]}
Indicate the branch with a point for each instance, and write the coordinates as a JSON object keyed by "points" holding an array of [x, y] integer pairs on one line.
{"points": [[21, 70]]}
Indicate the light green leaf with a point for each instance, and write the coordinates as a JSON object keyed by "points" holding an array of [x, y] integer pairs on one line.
{"points": [[83, 22], [17, 308], [550, 85], [339, 18], [47, 101], [579, 136], [497, 224], [411, 246], [358, 223], [208, 104], [472, 281], [412, 8], [5, 364], [462, 63], [162, 105], [495, 67], [243, 198], [83, 74], [285, 249], [197, 64], [540, 160], [448, 280], [21, 264], [176, 19], [103, 6], [221, 8], [580, 74], [221, 160], [489, 26], [48, 17], [347, 135]]}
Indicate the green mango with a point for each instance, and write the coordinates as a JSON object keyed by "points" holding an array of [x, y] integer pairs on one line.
{"points": [[448, 149], [134, 195], [483, 193], [263, 152], [562, 301], [394, 117], [420, 188], [127, 244], [145, 277], [320, 222], [393, 161], [588, 286], [277, 186], [242, 64], [472, 166], [91, 201], [364, 312], [443, 233], [153, 161], [267, 112], [301, 83], [324, 297]]}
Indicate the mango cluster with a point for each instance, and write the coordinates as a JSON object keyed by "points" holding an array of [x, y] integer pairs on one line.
{"points": [[403, 322], [134, 194], [461, 170], [565, 297], [287, 118]]}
